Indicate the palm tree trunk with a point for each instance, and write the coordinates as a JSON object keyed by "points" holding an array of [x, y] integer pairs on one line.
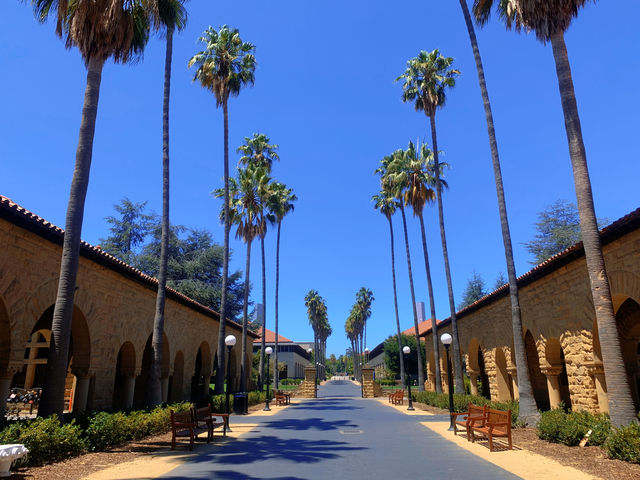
{"points": [[154, 388], [413, 302], [432, 307], [395, 298], [275, 367], [264, 318], [53, 392], [621, 406], [245, 320], [528, 411], [225, 259], [457, 360]]}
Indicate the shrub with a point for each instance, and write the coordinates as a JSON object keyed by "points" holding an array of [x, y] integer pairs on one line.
{"points": [[624, 443], [386, 381], [569, 428], [291, 381], [46, 438]]}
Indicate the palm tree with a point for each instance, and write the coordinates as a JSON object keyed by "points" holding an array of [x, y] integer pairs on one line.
{"points": [[316, 310], [225, 66], [173, 16], [258, 151], [387, 206], [425, 82], [396, 190], [245, 212], [279, 204], [364, 299], [528, 410], [549, 22], [100, 30]]}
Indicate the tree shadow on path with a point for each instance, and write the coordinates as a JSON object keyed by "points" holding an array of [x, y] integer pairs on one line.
{"points": [[308, 424], [231, 475]]}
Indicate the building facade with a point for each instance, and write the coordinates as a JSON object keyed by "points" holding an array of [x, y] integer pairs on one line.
{"points": [[292, 354]]}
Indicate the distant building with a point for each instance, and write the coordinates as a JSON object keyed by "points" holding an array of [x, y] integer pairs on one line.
{"points": [[421, 313], [293, 354]]}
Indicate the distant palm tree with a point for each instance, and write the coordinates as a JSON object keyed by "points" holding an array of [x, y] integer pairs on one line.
{"points": [[426, 80], [258, 151], [397, 189], [100, 30], [316, 311], [279, 204], [173, 16], [549, 22], [224, 67], [245, 212], [387, 205], [528, 409]]}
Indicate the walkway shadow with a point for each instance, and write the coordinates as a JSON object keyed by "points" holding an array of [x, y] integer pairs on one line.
{"points": [[268, 447], [231, 475], [309, 423]]}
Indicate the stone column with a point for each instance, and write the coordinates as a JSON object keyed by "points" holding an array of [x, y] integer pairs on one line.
{"points": [[552, 373], [164, 385], [129, 389], [513, 372], [473, 377], [431, 378], [206, 378], [83, 378], [445, 384], [368, 385], [308, 388], [596, 370]]}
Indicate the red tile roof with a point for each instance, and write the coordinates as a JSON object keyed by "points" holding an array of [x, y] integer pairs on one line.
{"points": [[18, 215], [270, 337], [423, 327]]}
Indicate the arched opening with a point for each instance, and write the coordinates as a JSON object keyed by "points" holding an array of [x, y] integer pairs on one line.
{"points": [[201, 372], [538, 380], [125, 372], [36, 356], [140, 396], [431, 372], [502, 377], [555, 358], [628, 322], [483, 378], [177, 380]]}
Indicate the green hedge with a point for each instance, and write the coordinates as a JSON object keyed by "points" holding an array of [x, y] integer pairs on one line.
{"points": [[291, 381], [461, 402], [218, 402], [569, 428], [624, 443], [386, 382]]}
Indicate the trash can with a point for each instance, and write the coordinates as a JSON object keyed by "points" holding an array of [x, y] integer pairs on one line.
{"points": [[240, 403]]}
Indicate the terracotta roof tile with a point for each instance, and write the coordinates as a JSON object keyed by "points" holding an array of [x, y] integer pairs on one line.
{"points": [[271, 337]]}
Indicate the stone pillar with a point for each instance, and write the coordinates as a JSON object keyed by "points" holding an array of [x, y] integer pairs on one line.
{"points": [[129, 390], [596, 370], [164, 385], [83, 378], [473, 377], [445, 383], [206, 378], [553, 385], [307, 390], [431, 378], [370, 388], [513, 372]]}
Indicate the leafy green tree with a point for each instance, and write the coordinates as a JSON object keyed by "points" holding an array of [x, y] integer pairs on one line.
{"points": [[225, 67], [392, 358], [127, 231], [474, 290], [280, 203], [426, 80], [549, 20], [172, 16], [387, 205], [100, 30]]}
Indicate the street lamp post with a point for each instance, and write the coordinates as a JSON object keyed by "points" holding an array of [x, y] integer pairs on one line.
{"points": [[229, 341], [406, 350], [446, 339], [268, 351], [366, 355]]}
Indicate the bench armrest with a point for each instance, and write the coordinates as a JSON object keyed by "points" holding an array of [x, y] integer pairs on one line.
{"points": [[473, 420], [458, 414]]}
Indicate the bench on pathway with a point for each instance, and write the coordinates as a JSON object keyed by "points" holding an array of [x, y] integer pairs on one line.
{"points": [[211, 420], [282, 398], [182, 425], [463, 419], [397, 398], [496, 423]]}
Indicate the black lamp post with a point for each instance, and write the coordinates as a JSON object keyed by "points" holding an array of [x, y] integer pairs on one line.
{"points": [[446, 339], [406, 351], [268, 351], [229, 341]]}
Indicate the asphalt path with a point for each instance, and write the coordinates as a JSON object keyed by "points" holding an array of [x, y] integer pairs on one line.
{"points": [[338, 435]]}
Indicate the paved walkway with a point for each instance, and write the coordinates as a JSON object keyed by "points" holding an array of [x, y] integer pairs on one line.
{"points": [[338, 435]]}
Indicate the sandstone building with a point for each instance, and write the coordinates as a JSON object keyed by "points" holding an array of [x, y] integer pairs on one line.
{"points": [[112, 322]]}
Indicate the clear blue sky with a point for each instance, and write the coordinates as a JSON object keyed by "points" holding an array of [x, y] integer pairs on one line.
{"points": [[324, 91]]}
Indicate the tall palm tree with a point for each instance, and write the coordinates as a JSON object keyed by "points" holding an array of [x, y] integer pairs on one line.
{"points": [[387, 205], [528, 410], [364, 299], [225, 66], [396, 189], [172, 16], [411, 169], [114, 29], [245, 212], [549, 20], [316, 309], [426, 80], [258, 151], [279, 204]]}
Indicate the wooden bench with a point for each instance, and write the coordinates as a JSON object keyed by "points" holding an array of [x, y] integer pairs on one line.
{"points": [[463, 419], [391, 395], [182, 425], [398, 398], [495, 423], [281, 398], [204, 417]]}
